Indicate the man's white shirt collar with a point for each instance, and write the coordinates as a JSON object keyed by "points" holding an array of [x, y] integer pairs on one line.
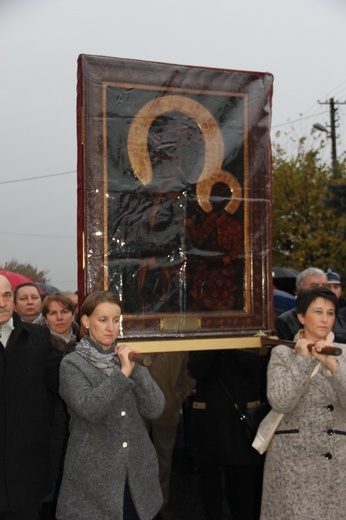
{"points": [[5, 331]]}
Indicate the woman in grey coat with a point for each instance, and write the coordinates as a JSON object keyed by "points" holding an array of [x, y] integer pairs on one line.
{"points": [[305, 466], [111, 469]]}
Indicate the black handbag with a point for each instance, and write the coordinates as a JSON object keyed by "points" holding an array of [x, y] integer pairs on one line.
{"points": [[252, 417]]}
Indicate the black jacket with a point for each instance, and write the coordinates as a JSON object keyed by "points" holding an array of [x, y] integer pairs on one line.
{"points": [[218, 432], [342, 312], [287, 326], [29, 378]]}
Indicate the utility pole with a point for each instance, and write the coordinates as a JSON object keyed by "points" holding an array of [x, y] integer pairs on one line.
{"points": [[332, 135]]}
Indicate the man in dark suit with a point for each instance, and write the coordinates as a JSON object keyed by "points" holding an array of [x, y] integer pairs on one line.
{"points": [[29, 377], [287, 324], [229, 468]]}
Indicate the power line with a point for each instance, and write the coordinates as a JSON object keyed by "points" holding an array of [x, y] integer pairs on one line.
{"points": [[326, 95], [332, 92], [39, 177], [297, 120], [300, 119], [37, 235]]}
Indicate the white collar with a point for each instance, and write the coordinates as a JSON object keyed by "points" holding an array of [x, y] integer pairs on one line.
{"points": [[8, 325], [330, 336], [5, 331]]}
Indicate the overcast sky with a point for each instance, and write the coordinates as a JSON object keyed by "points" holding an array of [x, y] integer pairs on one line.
{"points": [[301, 42]]}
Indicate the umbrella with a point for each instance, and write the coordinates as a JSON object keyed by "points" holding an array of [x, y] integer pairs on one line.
{"points": [[17, 279], [283, 272], [47, 289], [285, 279]]}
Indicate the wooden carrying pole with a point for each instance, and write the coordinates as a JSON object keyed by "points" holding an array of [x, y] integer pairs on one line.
{"points": [[329, 350], [259, 341]]}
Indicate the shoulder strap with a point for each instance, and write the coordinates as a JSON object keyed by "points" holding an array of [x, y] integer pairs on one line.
{"points": [[242, 416]]}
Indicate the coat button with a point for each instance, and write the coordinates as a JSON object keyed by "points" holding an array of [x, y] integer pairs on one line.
{"points": [[328, 456], [123, 413], [124, 444], [330, 408], [330, 432]]}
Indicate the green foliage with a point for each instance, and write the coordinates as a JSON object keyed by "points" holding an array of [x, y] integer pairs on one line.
{"points": [[27, 270], [309, 223]]}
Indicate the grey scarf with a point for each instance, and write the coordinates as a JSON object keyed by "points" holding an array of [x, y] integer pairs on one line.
{"points": [[106, 361]]}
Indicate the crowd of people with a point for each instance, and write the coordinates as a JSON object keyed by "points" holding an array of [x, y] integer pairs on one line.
{"points": [[87, 433]]}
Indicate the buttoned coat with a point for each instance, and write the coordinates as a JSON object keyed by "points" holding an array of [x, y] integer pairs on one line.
{"points": [[108, 442], [29, 372], [305, 465]]}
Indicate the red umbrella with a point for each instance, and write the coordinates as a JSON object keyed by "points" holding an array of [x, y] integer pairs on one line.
{"points": [[17, 278]]}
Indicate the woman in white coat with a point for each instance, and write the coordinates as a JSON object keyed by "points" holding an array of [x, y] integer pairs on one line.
{"points": [[305, 466]]}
